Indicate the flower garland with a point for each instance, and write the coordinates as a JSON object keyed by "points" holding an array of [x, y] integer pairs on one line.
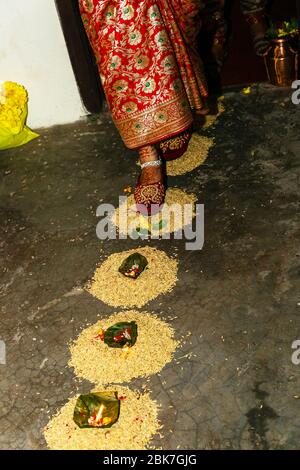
{"points": [[13, 115], [13, 100]]}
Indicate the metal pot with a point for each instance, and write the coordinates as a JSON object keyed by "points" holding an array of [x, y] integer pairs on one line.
{"points": [[281, 60]]}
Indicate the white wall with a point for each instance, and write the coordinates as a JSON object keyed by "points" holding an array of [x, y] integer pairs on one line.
{"points": [[33, 53]]}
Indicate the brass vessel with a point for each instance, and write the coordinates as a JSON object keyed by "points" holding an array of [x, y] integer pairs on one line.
{"points": [[281, 60]]}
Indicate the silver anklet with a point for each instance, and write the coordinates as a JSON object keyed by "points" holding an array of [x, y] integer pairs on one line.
{"points": [[150, 164]]}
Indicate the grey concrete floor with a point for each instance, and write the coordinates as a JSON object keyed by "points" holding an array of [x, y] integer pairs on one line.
{"points": [[239, 295]]}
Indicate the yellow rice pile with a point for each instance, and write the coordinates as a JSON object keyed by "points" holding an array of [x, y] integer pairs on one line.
{"points": [[164, 222], [195, 156], [116, 290], [137, 425], [93, 360]]}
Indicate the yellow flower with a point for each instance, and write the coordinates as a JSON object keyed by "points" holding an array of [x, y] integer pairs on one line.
{"points": [[107, 421], [144, 223], [128, 190], [13, 101], [247, 90], [281, 33]]}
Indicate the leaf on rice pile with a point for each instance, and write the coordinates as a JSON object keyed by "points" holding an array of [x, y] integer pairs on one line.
{"points": [[97, 410], [178, 212], [94, 361], [114, 289], [134, 265], [137, 425], [195, 156], [121, 335]]}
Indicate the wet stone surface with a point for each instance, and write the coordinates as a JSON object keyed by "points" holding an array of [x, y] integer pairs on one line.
{"points": [[233, 384]]}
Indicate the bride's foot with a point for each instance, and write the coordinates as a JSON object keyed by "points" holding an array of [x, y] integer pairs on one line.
{"points": [[150, 189]]}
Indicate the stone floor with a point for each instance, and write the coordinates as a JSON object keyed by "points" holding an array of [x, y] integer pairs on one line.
{"points": [[239, 296]]}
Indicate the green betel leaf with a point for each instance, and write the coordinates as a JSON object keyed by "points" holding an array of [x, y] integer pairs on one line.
{"points": [[134, 265], [121, 335], [97, 410]]}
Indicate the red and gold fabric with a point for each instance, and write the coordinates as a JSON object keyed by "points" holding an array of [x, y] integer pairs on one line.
{"points": [[147, 59]]}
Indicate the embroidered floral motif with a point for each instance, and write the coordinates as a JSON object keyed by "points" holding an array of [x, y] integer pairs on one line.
{"points": [[110, 13], [128, 12], [161, 117], [120, 86], [148, 85], [161, 39], [168, 63], [175, 143], [135, 38], [130, 107], [116, 62], [150, 194], [88, 5], [142, 62]]}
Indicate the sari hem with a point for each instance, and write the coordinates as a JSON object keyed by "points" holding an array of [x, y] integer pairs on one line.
{"points": [[153, 140], [156, 123]]}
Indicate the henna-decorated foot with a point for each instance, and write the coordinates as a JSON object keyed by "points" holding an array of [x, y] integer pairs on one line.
{"points": [[150, 189]]}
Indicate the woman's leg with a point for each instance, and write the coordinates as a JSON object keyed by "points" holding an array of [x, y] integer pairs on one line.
{"points": [[147, 71], [150, 190], [150, 173]]}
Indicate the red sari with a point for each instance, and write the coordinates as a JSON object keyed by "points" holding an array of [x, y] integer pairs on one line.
{"points": [[147, 59]]}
